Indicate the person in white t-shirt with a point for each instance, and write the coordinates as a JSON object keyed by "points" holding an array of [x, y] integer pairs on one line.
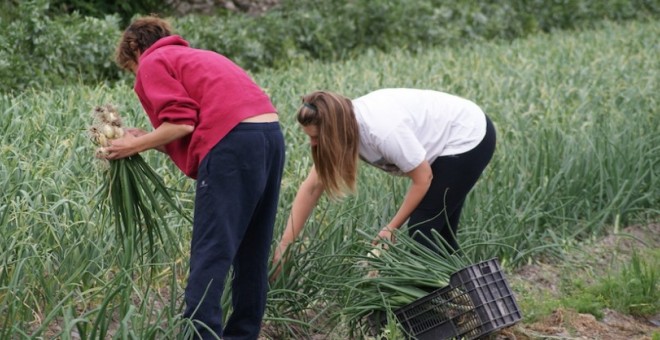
{"points": [[442, 142]]}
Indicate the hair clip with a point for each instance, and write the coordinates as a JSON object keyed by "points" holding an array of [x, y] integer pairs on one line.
{"points": [[310, 106]]}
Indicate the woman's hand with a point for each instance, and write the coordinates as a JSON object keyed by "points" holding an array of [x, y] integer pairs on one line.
{"points": [[136, 140], [278, 262], [386, 234], [123, 147]]}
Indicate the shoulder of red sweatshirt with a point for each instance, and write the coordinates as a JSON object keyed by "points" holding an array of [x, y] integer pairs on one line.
{"points": [[183, 85]]}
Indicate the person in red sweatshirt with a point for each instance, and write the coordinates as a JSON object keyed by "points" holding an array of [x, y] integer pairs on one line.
{"points": [[220, 128]]}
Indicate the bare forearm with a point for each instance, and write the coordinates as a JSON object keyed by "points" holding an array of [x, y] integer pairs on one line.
{"points": [[306, 199], [302, 208], [164, 134], [421, 181], [136, 141], [410, 202]]}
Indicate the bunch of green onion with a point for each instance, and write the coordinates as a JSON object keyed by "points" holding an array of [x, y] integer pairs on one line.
{"points": [[394, 276], [135, 194]]}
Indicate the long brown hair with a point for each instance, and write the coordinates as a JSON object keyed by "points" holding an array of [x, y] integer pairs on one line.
{"points": [[336, 152], [138, 37]]}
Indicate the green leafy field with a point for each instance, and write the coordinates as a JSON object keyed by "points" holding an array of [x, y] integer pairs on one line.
{"points": [[578, 154]]}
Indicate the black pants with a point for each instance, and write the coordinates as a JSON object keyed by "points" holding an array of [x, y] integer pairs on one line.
{"points": [[236, 202], [453, 178]]}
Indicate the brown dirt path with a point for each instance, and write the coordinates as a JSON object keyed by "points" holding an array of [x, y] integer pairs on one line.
{"points": [[603, 255]]}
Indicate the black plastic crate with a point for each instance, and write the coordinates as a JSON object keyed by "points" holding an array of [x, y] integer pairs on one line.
{"points": [[477, 302]]}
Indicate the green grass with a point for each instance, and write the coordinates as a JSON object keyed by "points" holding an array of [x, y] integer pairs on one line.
{"points": [[578, 152], [631, 288], [635, 289]]}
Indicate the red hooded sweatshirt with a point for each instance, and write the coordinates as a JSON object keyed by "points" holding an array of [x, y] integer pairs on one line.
{"points": [[182, 85]]}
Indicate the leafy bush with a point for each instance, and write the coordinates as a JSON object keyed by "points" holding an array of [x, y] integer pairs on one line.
{"points": [[43, 49], [40, 51], [333, 30], [100, 8]]}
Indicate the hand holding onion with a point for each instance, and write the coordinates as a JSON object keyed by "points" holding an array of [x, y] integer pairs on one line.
{"points": [[121, 147], [106, 128], [133, 191], [113, 140]]}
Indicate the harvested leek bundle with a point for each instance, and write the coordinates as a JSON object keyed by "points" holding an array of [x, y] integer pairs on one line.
{"points": [[395, 276], [135, 193]]}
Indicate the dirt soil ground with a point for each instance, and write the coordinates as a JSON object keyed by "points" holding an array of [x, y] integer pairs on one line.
{"points": [[567, 324]]}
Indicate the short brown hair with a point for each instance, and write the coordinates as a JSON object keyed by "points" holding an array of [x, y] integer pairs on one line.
{"points": [[138, 37], [336, 154]]}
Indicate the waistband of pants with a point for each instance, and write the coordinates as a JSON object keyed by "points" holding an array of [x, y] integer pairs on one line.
{"points": [[257, 126]]}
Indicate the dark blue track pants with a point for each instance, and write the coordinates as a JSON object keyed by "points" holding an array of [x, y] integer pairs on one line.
{"points": [[236, 201], [453, 178]]}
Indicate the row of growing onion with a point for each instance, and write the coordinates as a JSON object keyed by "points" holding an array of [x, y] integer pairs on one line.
{"points": [[577, 120]]}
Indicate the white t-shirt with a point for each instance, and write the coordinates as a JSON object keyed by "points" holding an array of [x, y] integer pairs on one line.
{"points": [[400, 128]]}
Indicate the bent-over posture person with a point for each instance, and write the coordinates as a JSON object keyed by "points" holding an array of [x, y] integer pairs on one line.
{"points": [[440, 141]]}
